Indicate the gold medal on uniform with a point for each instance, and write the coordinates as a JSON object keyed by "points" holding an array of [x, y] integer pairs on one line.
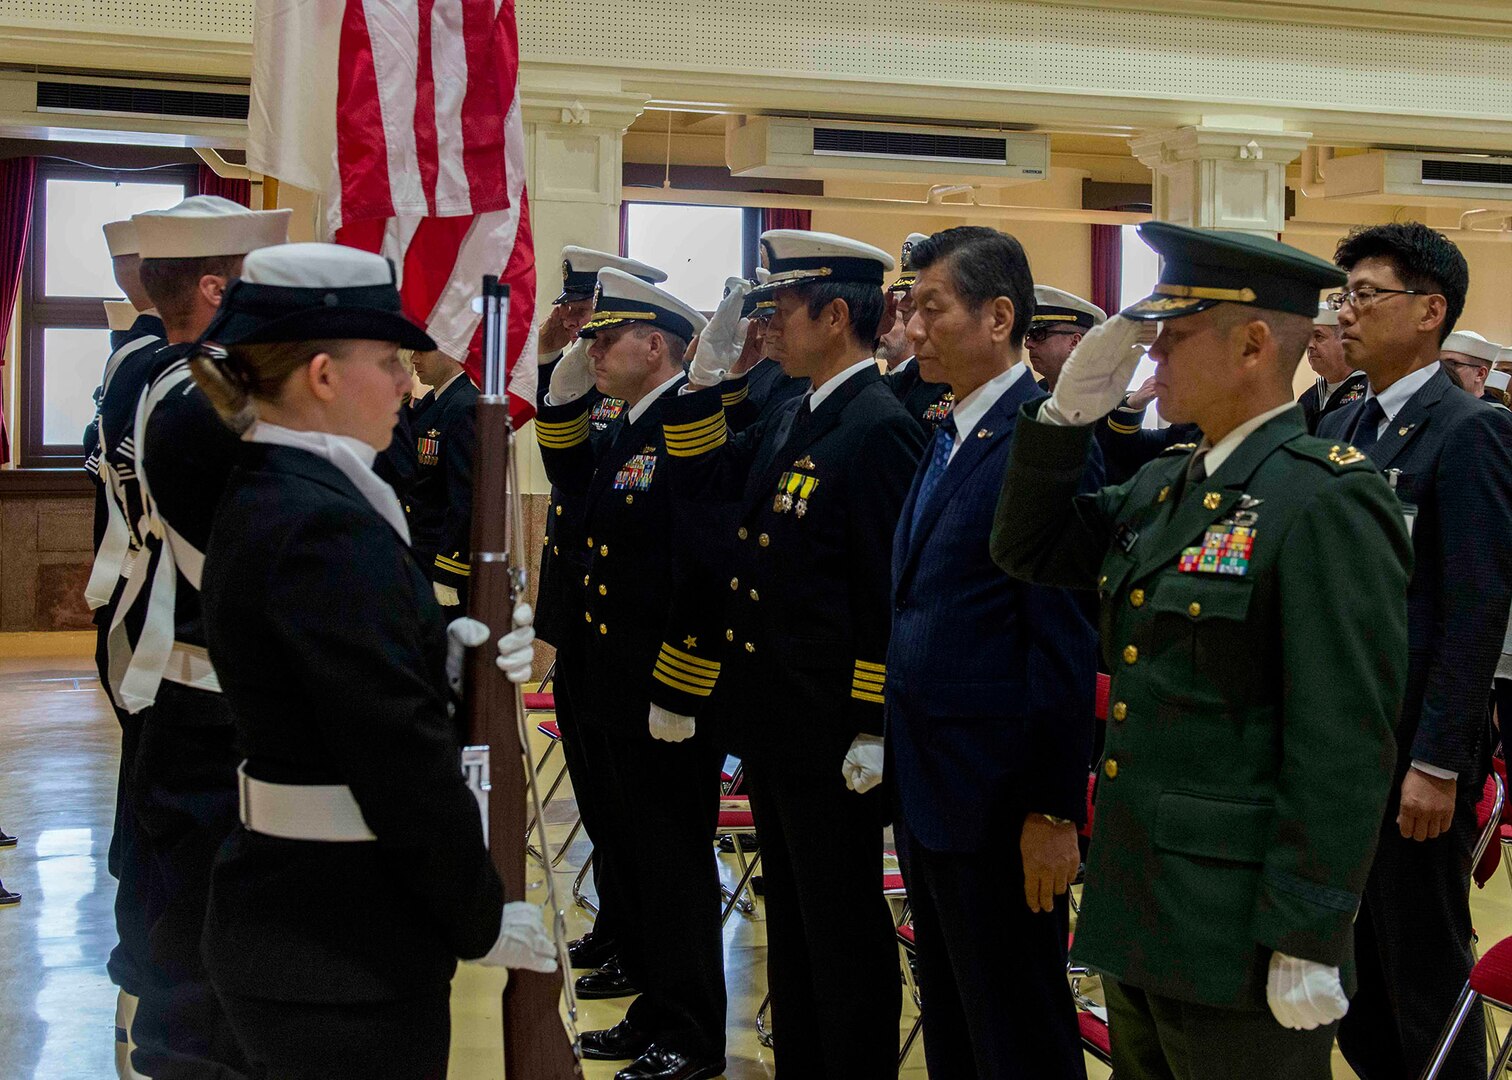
{"points": [[794, 489]]}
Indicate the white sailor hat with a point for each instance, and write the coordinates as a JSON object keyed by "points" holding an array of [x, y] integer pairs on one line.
{"points": [[1058, 306], [908, 275], [121, 238], [305, 292], [1498, 380], [208, 225], [801, 257], [1326, 315], [1469, 343], [1504, 356], [620, 298], [580, 267]]}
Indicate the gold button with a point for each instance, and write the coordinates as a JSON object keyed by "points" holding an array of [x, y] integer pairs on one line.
{"points": [[750, 647], [754, 596], [546, 539], [629, 499], [1110, 768], [555, 550], [603, 549], [1120, 710], [603, 591], [1136, 597], [763, 539], [558, 511], [1102, 581], [590, 542], [1165, 493], [587, 578], [729, 635], [1194, 609], [742, 532], [603, 629], [734, 583], [587, 616], [1130, 654]]}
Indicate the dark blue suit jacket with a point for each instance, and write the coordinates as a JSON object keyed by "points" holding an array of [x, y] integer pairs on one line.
{"points": [[990, 681], [1453, 456]]}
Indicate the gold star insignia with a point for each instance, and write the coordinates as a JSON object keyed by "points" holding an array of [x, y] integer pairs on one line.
{"points": [[690, 641], [1211, 500]]}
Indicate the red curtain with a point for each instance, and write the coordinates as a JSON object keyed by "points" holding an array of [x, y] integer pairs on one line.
{"points": [[238, 191], [18, 185], [776, 217], [1107, 266]]}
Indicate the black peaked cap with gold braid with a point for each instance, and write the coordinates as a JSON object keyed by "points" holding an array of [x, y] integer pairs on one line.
{"points": [[621, 298], [581, 266], [799, 257], [1057, 307]]}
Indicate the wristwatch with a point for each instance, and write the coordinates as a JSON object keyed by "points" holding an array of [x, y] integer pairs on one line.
{"points": [[1052, 819]]}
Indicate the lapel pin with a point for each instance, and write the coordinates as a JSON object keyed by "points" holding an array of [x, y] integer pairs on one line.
{"points": [[1404, 429], [983, 433]]}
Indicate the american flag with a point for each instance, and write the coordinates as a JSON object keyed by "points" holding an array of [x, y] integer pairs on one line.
{"points": [[414, 138]]}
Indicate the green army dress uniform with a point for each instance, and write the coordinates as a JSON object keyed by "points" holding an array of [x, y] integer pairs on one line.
{"points": [[1255, 682]]}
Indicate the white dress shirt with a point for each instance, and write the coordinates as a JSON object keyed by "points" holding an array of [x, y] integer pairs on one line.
{"points": [[970, 409], [829, 385], [1395, 396]]}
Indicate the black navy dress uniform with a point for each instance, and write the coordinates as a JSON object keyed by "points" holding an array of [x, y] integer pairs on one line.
{"points": [[440, 499], [1413, 929], [927, 402], [1318, 400], [399, 464], [990, 687], [335, 926], [1127, 445], [635, 642], [805, 628]]}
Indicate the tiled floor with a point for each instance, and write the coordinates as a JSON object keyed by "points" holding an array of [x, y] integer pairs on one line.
{"points": [[58, 746]]}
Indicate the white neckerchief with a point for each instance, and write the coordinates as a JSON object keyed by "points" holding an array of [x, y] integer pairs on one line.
{"points": [[638, 410], [833, 383], [352, 456], [1219, 452], [976, 404]]}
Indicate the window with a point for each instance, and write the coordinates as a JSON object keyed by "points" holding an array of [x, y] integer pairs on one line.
{"points": [[65, 339], [1140, 270], [698, 246]]}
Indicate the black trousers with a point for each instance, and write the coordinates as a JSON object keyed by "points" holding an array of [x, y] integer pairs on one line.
{"points": [[832, 954], [128, 964], [665, 809], [1160, 1038], [1412, 945], [395, 1040], [992, 973], [583, 748], [1501, 696], [187, 806]]}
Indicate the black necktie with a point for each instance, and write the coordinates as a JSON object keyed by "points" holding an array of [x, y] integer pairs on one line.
{"points": [[1368, 427]]}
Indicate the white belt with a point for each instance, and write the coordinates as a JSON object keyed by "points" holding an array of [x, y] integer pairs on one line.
{"points": [[189, 665], [325, 812]]}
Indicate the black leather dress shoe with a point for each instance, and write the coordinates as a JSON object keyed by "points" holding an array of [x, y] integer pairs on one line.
{"points": [[607, 982], [591, 951], [6, 840], [747, 841], [664, 1063], [622, 1042], [7, 898]]}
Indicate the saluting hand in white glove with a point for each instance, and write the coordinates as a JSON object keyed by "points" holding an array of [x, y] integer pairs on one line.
{"points": [[670, 726], [720, 343], [1304, 994], [517, 648], [446, 596], [571, 378], [522, 942], [863, 763], [1098, 371]]}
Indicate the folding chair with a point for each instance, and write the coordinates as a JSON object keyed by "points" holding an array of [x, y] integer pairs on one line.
{"points": [[541, 702], [735, 818], [908, 952]]}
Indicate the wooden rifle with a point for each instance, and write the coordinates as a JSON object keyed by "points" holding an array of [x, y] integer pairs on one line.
{"points": [[536, 1045]]}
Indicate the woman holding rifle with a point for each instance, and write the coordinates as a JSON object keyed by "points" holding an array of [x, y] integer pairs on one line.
{"points": [[359, 876]]}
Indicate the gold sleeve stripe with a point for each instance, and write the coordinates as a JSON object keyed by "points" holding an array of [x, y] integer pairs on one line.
{"points": [[562, 436], [864, 665], [691, 444], [735, 397], [443, 563], [686, 672], [670, 675], [866, 678], [693, 450], [866, 695], [678, 684], [688, 660], [1123, 429], [694, 428]]}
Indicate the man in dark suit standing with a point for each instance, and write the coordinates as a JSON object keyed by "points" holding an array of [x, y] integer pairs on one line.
{"points": [[1448, 457], [995, 749]]}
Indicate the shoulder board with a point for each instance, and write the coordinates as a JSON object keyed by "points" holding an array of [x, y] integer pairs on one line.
{"points": [[1340, 457], [1179, 448]]}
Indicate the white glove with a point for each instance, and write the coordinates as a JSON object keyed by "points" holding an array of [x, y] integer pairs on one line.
{"points": [[446, 596], [571, 379], [517, 648], [863, 763], [1304, 994], [523, 941], [461, 634], [669, 726], [1098, 371], [720, 343]]}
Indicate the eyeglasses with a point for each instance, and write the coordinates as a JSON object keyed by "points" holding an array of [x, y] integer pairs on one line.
{"points": [[1040, 333], [1363, 298], [1463, 364]]}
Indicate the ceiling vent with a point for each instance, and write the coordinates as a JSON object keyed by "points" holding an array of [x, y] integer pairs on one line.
{"points": [[1397, 176], [125, 99]]}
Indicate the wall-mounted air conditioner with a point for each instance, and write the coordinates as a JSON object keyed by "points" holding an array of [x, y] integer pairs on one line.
{"points": [[1394, 176], [164, 111]]}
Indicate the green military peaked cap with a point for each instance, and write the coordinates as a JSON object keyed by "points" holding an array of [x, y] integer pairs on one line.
{"points": [[1203, 267]]}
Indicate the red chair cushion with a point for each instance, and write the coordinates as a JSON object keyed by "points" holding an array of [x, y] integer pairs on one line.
{"points": [[1086, 830], [1094, 1032], [549, 729], [906, 934], [892, 882], [1104, 691], [1491, 858], [1492, 976], [540, 702], [736, 819]]}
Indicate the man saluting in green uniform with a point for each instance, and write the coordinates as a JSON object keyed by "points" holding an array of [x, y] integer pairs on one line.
{"points": [[1249, 747]]}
